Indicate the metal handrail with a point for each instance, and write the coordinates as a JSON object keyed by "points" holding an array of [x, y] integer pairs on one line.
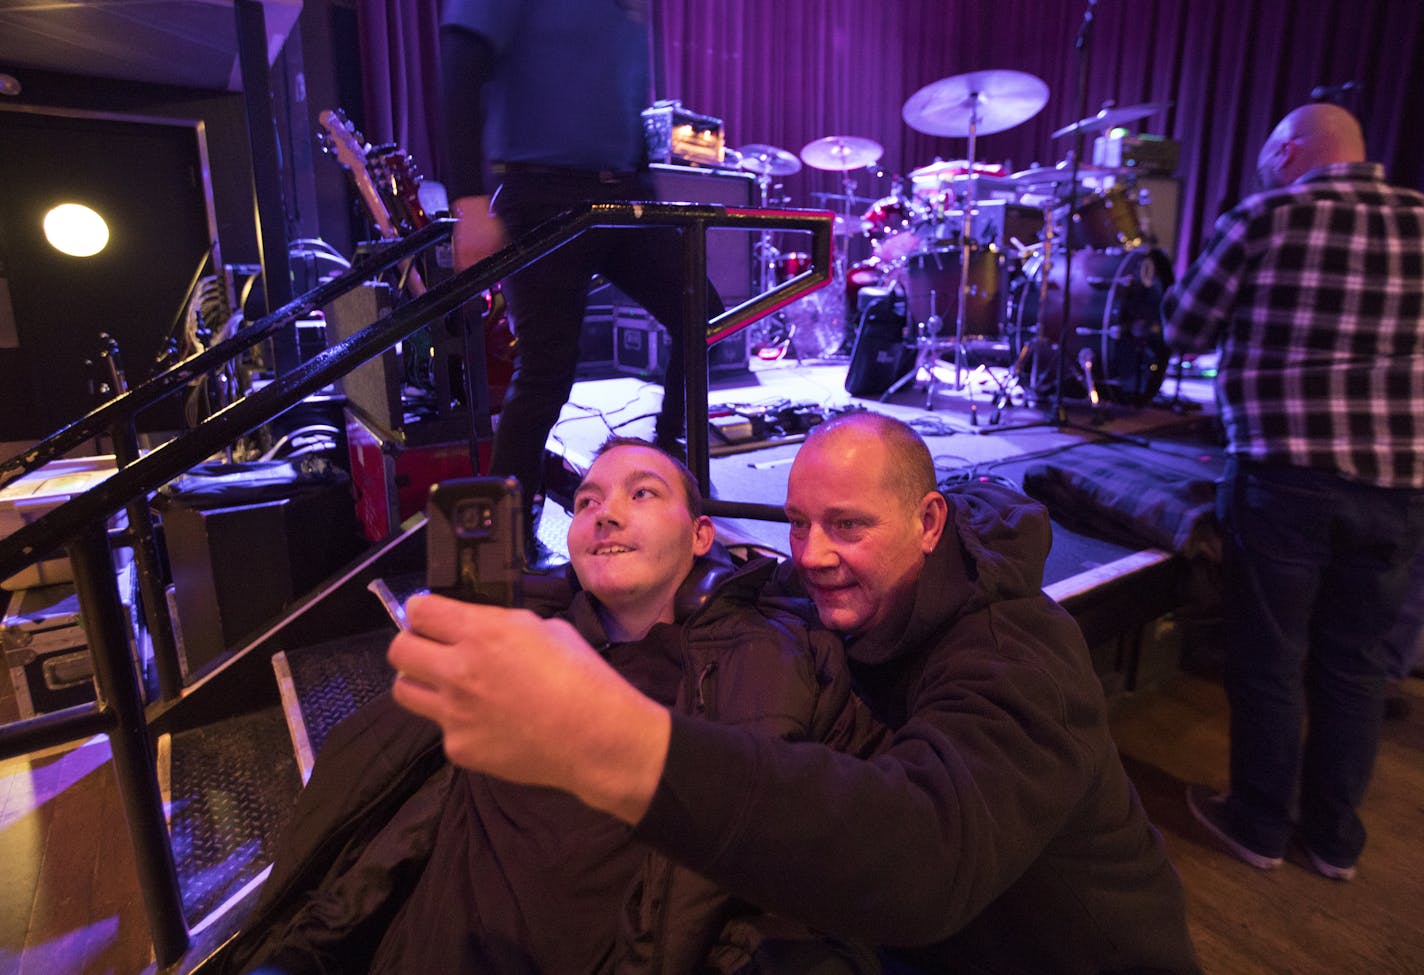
{"points": [[77, 524]]}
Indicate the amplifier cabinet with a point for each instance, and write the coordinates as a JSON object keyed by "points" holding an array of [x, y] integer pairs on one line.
{"points": [[391, 478], [1160, 207], [729, 252]]}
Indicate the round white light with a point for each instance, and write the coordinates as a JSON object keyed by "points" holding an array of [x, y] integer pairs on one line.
{"points": [[76, 230]]}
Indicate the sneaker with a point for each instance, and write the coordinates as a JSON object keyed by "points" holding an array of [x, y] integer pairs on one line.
{"points": [[1209, 808], [1325, 868]]}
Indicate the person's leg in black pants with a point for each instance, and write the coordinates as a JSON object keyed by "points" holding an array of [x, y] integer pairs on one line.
{"points": [[546, 303], [647, 266]]}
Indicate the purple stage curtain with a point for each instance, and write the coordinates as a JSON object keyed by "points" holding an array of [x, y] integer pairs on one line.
{"points": [[787, 72], [400, 76]]}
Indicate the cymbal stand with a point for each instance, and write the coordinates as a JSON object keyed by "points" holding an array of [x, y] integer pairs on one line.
{"points": [[781, 331], [928, 346], [928, 340]]}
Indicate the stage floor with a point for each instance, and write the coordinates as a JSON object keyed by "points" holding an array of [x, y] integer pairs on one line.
{"points": [[966, 434]]}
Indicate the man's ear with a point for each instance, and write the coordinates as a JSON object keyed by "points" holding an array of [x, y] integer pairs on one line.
{"points": [[704, 533], [932, 514]]}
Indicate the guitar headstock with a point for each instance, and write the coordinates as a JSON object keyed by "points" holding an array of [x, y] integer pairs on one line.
{"points": [[395, 173], [341, 139]]}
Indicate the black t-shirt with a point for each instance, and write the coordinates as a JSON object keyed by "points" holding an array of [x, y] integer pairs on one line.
{"points": [[525, 879]]}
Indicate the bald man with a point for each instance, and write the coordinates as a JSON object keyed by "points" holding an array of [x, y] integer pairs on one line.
{"points": [[1313, 289]]}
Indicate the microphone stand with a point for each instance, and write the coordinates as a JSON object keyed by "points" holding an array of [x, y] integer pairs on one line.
{"points": [[1081, 45], [1060, 414]]}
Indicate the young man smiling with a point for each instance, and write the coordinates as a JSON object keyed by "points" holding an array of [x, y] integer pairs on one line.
{"points": [[637, 529], [470, 873]]}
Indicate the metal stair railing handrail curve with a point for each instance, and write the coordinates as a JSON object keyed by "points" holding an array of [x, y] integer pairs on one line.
{"points": [[78, 524]]}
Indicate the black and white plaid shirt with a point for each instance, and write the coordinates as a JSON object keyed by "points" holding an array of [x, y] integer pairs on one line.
{"points": [[1315, 293]]}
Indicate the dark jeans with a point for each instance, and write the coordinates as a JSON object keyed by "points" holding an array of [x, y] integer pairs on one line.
{"points": [[1315, 571], [547, 300]]}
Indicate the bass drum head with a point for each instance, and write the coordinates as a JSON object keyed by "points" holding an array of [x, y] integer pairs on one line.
{"points": [[1115, 315]]}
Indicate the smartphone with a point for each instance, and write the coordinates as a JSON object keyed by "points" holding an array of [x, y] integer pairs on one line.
{"points": [[474, 540]]}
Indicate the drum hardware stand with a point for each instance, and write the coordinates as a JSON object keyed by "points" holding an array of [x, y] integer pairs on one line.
{"points": [[766, 162], [767, 256], [839, 154], [928, 346]]}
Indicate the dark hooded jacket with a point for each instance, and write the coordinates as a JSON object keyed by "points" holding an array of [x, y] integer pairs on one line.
{"points": [[368, 829], [997, 833]]}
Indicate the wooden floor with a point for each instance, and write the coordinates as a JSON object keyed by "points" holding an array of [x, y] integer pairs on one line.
{"points": [[1290, 920], [68, 904]]}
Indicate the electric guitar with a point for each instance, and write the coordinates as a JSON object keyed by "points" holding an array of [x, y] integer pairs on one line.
{"points": [[343, 141], [389, 185]]}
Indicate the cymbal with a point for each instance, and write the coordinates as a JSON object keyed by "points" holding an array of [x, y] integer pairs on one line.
{"points": [[839, 153], [987, 101], [954, 167], [1062, 174], [1111, 117], [767, 160]]}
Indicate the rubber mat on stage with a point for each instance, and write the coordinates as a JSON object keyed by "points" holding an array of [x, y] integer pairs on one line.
{"points": [[323, 683], [231, 788]]}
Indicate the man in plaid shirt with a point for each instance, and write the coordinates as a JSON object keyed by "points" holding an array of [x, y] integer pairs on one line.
{"points": [[1314, 291]]}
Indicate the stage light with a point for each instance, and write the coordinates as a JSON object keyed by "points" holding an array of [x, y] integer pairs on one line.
{"points": [[76, 230]]}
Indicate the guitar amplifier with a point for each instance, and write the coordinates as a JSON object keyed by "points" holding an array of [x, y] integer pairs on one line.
{"points": [[730, 264]]}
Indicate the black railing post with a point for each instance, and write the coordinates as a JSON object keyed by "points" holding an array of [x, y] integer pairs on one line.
{"points": [[106, 624], [694, 350], [151, 593]]}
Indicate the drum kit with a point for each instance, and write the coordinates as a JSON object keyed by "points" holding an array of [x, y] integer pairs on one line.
{"points": [[1008, 230]]}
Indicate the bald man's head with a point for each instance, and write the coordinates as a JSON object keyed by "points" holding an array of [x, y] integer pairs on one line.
{"points": [[1311, 136]]}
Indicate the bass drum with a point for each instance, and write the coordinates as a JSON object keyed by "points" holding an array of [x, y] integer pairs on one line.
{"points": [[1115, 318]]}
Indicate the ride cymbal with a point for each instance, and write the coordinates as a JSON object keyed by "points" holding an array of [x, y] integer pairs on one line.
{"points": [[984, 101]]}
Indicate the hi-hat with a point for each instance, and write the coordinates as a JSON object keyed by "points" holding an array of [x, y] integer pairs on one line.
{"points": [[985, 101], [767, 160], [1111, 117], [839, 153]]}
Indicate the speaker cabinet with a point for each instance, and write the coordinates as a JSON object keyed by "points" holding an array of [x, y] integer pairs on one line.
{"points": [[729, 252], [1160, 207]]}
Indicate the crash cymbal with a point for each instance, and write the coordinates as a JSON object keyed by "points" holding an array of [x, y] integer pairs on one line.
{"points": [[987, 101], [767, 160], [1111, 117], [839, 153]]}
